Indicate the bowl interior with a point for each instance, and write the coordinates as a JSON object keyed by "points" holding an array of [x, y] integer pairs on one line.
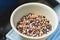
{"points": [[35, 8]]}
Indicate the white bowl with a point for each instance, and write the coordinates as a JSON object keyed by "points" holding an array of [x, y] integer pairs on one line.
{"points": [[37, 8]]}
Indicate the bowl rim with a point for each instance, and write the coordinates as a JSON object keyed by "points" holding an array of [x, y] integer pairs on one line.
{"points": [[40, 4]]}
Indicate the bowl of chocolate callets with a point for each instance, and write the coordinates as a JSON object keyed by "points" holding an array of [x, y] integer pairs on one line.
{"points": [[34, 21]]}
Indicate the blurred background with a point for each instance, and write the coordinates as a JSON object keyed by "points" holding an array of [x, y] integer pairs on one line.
{"points": [[8, 6]]}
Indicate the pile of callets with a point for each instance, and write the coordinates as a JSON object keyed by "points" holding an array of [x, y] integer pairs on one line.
{"points": [[34, 25]]}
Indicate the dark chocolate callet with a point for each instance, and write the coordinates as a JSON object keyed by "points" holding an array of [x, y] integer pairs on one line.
{"points": [[30, 14], [44, 31], [27, 23], [43, 16], [30, 31]]}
